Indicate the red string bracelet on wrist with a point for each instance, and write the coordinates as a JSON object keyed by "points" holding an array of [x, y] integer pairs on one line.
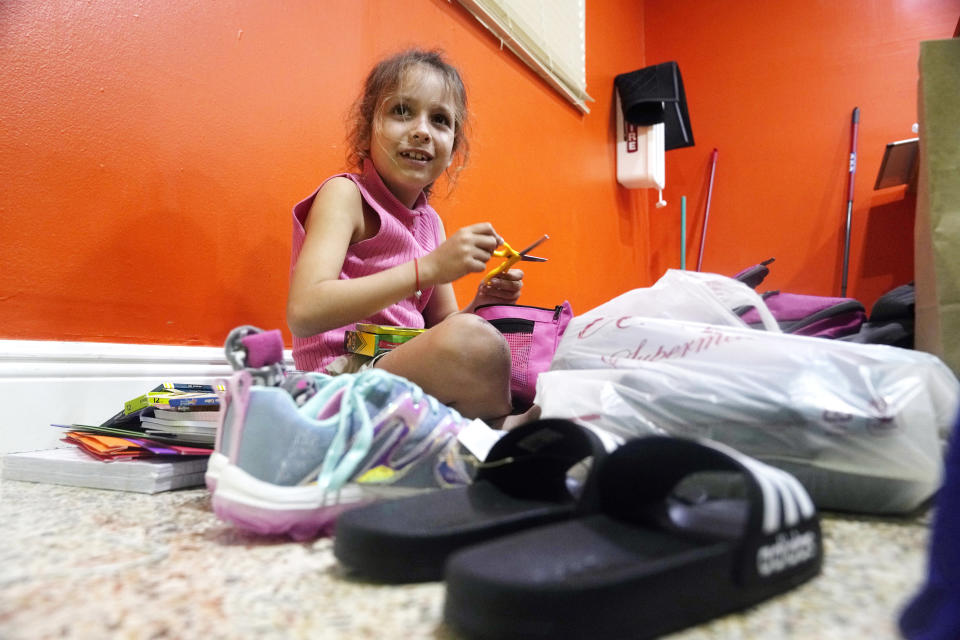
{"points": [[416, 269]]}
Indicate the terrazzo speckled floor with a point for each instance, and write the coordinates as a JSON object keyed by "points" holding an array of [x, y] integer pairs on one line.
{"points": [[87, 563]]}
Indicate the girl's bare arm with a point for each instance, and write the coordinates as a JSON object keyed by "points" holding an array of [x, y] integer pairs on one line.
{"points": [[318, 300]]}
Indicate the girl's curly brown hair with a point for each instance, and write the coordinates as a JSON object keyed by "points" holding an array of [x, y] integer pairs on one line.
{"points": [[383, 80]]}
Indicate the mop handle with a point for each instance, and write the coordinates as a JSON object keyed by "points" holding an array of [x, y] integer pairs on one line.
{"points": [[706, 213], [855, 124]]}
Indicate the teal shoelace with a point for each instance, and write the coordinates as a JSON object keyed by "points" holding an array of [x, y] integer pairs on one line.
{"points": [[348, 449]]}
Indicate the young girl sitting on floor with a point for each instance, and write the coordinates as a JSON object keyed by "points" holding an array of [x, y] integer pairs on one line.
{"points": [[368, 248]]}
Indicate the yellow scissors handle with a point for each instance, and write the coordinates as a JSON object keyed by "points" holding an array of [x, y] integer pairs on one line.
{"points": [[512, 257]]}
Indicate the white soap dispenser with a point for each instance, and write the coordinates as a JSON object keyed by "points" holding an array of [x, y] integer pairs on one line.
{"points": [[640, 153]]}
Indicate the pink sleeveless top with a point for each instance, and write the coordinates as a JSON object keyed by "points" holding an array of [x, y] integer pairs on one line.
{"points": [[404, 234]]}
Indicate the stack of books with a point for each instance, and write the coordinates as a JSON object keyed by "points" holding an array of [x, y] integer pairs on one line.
{"points": [[185, 413], [160, 440], [196, 425]]}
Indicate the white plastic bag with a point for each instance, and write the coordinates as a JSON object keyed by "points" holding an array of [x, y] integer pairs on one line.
{"points": [[861, 426], [688, 295]]}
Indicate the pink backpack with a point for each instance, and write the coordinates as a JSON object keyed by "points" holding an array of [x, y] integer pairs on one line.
{"points": [[804, 315], [533, 334]]}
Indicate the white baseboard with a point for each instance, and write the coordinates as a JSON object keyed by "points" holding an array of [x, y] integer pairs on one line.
{"points": [[43, 383]]}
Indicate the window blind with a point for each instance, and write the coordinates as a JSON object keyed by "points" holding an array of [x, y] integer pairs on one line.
{"points": [[548, 35]]}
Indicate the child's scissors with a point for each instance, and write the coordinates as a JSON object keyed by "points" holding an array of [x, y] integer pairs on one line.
{"points": [[512, 257]]}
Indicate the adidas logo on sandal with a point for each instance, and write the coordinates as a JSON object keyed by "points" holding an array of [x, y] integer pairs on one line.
{"points": [[789, 522], [788, 551]]}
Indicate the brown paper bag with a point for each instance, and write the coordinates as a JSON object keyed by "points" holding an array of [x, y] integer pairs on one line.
{"points": [[937, 226]]}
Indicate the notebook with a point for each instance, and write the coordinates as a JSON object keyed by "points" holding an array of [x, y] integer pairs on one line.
{"points": [[71, 466]]}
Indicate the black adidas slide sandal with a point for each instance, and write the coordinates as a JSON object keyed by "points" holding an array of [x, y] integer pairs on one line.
{"points": [[648, 563], [521, 484]]}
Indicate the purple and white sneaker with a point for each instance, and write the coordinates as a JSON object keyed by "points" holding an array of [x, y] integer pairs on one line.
{"points": [[261, 354], [289, 468]]}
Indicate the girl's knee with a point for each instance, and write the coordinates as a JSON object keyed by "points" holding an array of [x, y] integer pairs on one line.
{"points": [[465, 363], [476, 343]]}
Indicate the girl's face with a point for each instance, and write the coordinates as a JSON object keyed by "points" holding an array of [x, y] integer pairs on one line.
{"points": [[412, 138]]}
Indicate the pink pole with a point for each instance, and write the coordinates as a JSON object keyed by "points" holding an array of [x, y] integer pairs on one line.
{"points": [[706, 215]]}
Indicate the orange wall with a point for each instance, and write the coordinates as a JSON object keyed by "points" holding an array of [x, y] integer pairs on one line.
{"points": [[151, 153], [772, 86]]}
